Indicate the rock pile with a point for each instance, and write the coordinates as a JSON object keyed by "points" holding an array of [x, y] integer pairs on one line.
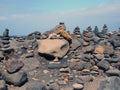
{"points": [[58, 60], [4, 45]]}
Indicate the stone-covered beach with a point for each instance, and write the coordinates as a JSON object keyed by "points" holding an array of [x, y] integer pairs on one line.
{"points": [[60, 60]]}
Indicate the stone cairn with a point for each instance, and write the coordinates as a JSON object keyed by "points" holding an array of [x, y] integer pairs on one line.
{"points": [[91, 61], [4, 44], [77, 32]]}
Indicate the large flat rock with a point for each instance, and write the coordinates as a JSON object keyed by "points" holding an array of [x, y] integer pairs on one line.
{"points": [[53, 47]]}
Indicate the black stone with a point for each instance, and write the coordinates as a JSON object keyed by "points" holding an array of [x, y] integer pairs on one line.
{"points": [[114, 72], [14, 66], [17, 79], [103, 65]]}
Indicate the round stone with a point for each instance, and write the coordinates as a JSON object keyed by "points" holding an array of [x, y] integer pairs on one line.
{"points": [[77, 86]]}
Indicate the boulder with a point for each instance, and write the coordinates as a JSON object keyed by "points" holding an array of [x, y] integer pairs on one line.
{"points": [[53, 47], [13, 66], [110, 83], [17, 79]]}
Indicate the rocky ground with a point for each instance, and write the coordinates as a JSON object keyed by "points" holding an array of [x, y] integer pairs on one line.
{"points": [[58, 60]]}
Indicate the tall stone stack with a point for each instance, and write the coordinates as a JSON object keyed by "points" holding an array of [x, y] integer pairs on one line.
{"points": [[96, 30], [77, 32], [89, 29], [62, 25], [5, 43], [105, 29]]}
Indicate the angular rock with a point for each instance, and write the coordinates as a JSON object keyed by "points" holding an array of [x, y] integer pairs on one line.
{"points": [[13, 66], [53, 47], [64, 34], [17, 79]]}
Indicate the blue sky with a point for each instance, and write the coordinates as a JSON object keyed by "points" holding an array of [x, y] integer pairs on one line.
{"points": [[22, 17]]}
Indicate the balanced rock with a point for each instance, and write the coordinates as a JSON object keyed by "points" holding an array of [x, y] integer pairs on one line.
{"points": [[53, 47]]}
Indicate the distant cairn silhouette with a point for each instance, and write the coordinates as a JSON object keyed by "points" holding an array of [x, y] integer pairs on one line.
{"points": [[6, 33]]}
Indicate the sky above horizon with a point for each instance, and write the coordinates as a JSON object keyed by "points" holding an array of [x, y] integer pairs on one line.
{"points": [[22, 17]]}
